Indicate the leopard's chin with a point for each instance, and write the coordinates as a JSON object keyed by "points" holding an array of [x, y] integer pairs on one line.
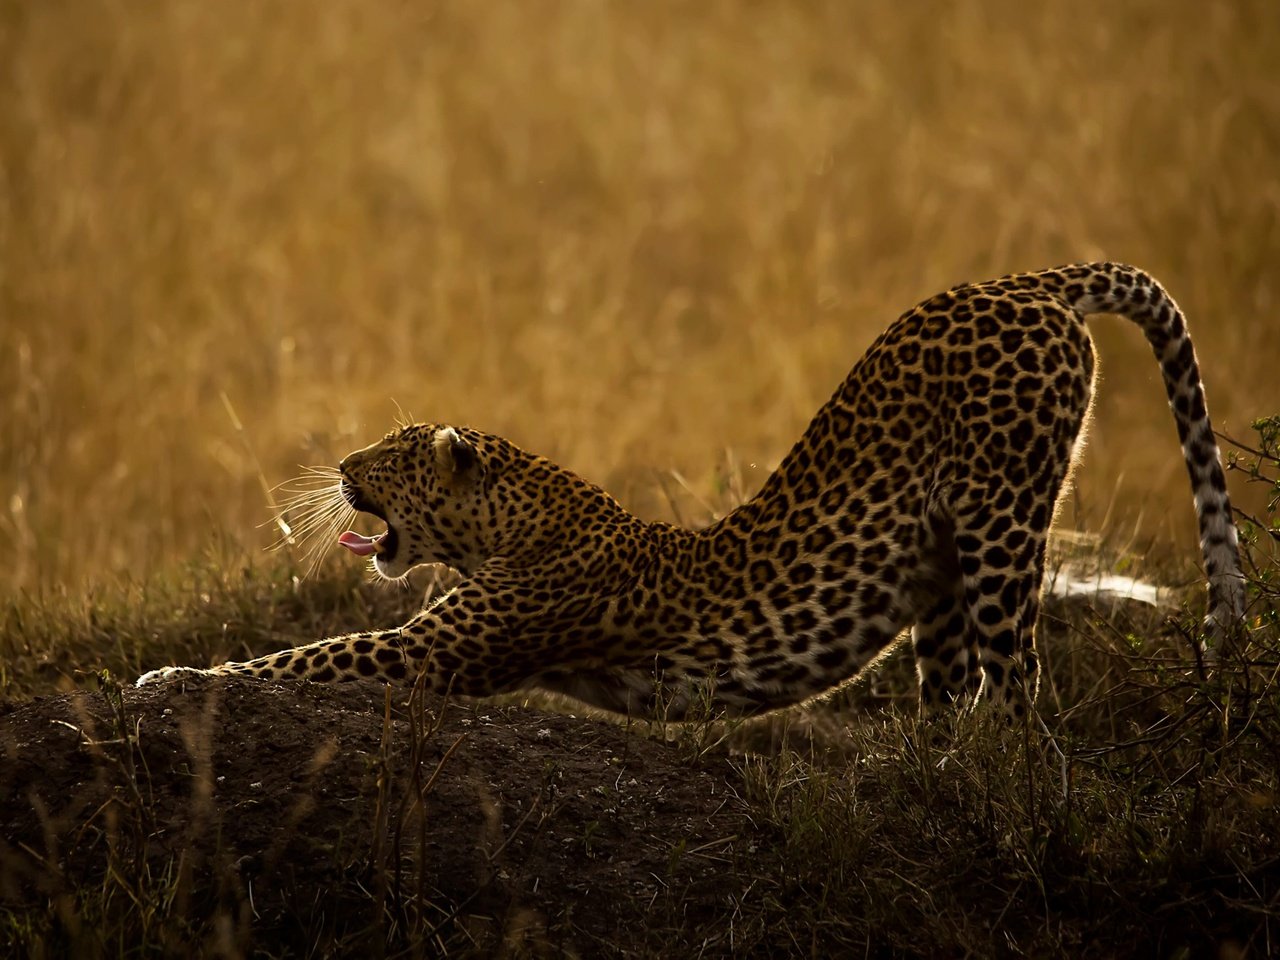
{"points": [[387, 562]]}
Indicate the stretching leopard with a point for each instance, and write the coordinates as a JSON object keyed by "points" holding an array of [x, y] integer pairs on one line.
{"points": [[921, 495]]}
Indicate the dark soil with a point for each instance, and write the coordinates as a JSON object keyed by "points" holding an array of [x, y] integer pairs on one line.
{"points": [[288, 810]]}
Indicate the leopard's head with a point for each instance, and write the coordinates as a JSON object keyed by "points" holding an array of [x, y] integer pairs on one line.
{"points": [[429, 484]]}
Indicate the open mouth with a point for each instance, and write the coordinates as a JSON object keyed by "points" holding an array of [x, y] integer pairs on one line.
{"points": [[382, 546]]}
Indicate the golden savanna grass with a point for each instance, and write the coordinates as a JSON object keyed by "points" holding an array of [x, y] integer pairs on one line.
{"points": [[235, 237]]}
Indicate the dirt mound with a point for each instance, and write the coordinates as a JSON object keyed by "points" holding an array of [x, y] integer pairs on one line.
{"points": [[296, 810]]}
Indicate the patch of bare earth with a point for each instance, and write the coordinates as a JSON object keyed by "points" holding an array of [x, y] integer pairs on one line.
{"points": [[300, 813]]}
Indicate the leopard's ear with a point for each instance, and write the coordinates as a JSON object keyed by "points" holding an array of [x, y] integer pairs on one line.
{"points": [[454, 456]]}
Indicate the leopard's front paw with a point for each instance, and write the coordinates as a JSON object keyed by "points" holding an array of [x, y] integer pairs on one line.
{"points": [[165, 674]]}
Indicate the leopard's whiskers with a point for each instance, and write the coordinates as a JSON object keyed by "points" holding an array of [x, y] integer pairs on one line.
{"points": [[312, 513]]}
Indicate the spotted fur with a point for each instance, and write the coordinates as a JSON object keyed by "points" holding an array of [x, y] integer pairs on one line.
{"points": [[920, 496]]}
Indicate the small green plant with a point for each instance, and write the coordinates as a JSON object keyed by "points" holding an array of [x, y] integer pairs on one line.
{"points": [[1260, 536]]}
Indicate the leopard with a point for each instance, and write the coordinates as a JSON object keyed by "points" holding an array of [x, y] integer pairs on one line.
{"points": [[920, 498]]}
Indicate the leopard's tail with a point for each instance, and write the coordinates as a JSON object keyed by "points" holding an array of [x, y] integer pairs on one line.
{"points": [[1136, 295]]}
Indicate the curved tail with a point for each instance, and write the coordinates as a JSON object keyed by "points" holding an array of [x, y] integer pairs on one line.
{"points": [[1136, 295]]}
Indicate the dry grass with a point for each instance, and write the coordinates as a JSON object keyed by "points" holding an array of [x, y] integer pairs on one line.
{"points": [[627, 235]]}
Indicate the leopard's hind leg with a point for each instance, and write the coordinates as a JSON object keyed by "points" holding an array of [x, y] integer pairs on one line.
{"points": [[945, 643]]}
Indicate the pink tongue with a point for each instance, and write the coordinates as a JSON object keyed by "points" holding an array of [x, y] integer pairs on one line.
{"points": [[360, 546]]}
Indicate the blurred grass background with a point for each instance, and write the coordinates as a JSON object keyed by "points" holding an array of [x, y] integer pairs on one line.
{"points": [[629, 236]]}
